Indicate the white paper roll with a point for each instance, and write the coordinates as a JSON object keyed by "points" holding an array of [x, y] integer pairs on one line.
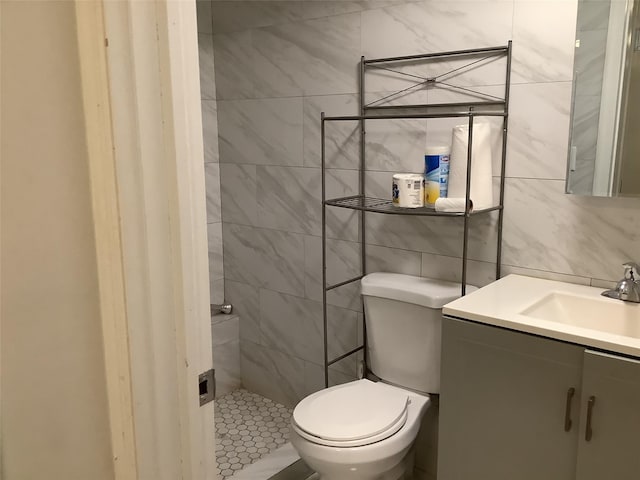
{"points": [[408, 190], [481, 165], [452, 205]]}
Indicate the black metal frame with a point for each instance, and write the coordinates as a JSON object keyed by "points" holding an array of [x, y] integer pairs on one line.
{"points": [[367, 204]]}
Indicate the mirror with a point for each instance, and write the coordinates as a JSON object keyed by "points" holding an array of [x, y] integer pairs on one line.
{"points": [[604, 146]]}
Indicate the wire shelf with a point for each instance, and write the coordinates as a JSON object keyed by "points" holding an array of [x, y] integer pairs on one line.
{"points": [[382, 205]]}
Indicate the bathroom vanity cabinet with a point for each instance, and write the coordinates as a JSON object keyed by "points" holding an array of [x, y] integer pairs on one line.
{"points": [[519, 406]]}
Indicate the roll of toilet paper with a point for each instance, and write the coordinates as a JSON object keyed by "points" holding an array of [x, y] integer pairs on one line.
{"points": [[481, 191], [407, 190], [452, 205]]}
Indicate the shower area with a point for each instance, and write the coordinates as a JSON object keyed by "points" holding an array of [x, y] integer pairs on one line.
{"points": [[263, 215]]}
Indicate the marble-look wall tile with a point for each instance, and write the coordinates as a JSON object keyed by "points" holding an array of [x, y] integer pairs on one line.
{"points": [[543, 41], [210, 144], [289, 198], [234, 73], [264, 258], [222, 317], [442, 267], [272, 374], [438, 235], [537, 144], [343, 263], [246, 304], [204, 17], [378, 184], [207, 71], [212, 184], [238, 191], [210, 130], [393, 260], [233, 16], [315, 57], [420, 234], [314, 377], [327, 8], [216, 291], [226, 353], [224, 330], [226, 362], [435, 26], [214, 237], [230, 16], [583, 236], [341, 223], [342, 139], [261, 132], [396, 145], [294, 325]]}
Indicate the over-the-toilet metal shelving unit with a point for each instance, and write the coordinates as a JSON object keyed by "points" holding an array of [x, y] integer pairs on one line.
{"points": [[488, 106]]}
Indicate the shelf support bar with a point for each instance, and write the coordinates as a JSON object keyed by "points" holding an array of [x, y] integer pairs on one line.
{"points": [[345, 355], [362, 190], [505, 128], [346, 282], [467, 216], [324, 253]]}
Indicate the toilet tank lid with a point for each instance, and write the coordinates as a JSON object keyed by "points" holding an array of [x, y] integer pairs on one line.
{"points": [[423, 291]]}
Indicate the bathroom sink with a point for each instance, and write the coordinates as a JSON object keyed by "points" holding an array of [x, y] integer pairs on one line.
{"points": [[594, 313]]}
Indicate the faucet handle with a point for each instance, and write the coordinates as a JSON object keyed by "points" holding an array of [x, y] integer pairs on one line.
{"points": [[631, 270]]}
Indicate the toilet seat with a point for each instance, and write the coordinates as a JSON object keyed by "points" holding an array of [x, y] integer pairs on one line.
{"points": [[350, 415]]}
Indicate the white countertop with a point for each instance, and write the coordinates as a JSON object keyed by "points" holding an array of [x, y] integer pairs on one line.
{"points": [[501, 303]]}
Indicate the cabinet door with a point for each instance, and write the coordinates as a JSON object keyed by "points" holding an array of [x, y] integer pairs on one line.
{"points": [[613, 451], [503, 405]]}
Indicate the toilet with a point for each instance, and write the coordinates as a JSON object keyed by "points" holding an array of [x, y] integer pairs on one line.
{"points": [[365, 430]]}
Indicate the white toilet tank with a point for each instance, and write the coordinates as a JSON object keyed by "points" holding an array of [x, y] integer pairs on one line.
{"points": [[404, 327]]}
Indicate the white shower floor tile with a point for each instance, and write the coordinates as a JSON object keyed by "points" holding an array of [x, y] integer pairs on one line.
{"points": [[248, 426]]}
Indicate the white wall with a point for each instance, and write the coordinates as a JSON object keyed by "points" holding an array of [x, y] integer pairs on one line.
{"points": [[54, 402]]}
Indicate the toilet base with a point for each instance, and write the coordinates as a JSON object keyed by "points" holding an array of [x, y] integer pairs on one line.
{"points": [[401, 471]]}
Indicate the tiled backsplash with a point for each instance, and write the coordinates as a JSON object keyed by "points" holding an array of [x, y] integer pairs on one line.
{"points": [[278, 64]]}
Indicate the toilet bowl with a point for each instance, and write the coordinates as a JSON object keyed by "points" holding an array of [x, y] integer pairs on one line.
{"points": [[366, 430], [359, 430]]}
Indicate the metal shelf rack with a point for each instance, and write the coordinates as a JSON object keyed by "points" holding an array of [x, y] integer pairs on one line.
{"points": [[490, 106]]}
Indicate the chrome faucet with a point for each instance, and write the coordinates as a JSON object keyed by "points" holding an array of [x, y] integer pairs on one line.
{"points": [[627, 289]]}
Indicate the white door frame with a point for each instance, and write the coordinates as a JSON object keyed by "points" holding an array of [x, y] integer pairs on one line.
{"points": [[139, 62]]}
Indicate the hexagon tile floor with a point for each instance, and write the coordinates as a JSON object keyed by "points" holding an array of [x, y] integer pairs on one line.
{"points": [[248, 426]]}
